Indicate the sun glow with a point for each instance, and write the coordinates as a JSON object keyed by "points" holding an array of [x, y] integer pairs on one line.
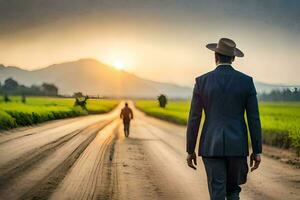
{"points": [[118, 64]]}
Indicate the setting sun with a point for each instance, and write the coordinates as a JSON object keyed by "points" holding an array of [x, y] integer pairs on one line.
{"points": [[118, 64]]}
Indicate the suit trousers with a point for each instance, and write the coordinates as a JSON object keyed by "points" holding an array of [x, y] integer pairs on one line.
{"points": [[224, 175], [126, 124]]}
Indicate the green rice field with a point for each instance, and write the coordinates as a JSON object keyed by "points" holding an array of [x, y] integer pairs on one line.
{"points": [[40, 109], [280, 121]]}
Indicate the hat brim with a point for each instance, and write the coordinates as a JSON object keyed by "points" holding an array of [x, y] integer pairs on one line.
{"points": [[213, 47]]}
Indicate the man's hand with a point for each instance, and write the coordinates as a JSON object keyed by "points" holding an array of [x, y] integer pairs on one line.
{"points": [[190, 159], [254, 161]]}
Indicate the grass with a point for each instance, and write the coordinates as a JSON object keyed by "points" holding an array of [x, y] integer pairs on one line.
{"points": [[281, 124], [175, 111], [280, 121], [40, 109]]}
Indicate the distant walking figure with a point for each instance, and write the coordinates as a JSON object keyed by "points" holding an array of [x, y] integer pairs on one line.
{"points": [[126, 115], [224, 94]]}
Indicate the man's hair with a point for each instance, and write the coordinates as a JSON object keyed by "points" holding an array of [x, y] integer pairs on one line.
{"points": [[126, 104], [224, 58]]}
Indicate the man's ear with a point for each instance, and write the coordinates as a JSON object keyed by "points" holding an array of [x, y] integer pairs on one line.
{"points": [[216, 58], [232, 58]]}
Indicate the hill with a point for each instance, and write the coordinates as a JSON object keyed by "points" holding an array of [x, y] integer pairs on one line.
{"points": [[95, 78]]}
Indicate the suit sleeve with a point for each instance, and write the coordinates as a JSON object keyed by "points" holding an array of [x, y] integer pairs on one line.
{"points": [[121, 114], [254, 120], [194, 120], [131, 114]]}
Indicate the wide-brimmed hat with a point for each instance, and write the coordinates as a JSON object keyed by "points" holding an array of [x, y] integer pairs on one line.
{"points": [[226, 47]]}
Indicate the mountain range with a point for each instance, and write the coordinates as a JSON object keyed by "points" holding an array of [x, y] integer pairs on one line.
{"points": [[92, 77]]}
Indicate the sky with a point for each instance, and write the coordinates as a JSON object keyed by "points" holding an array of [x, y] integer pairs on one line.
{"points": [[162, 40]]}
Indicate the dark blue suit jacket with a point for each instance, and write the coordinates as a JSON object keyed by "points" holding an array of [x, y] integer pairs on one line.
{"points": [[225, 95]]}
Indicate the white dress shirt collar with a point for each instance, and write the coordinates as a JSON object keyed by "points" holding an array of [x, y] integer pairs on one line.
{"points": [[223, 64]]}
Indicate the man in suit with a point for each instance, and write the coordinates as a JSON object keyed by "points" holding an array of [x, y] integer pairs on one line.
{"points": [[126, 115], [224, 95]]}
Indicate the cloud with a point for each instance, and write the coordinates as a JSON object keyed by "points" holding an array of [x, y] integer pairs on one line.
{"points": [[16, 15], [157, 35]]}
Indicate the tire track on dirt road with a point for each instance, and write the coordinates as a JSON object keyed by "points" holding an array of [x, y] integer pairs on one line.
{"points": [[28, 159], [17, 133], [87, 175], [42, 177]]}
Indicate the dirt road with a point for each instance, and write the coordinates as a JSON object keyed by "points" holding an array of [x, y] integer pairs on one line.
{"points": [[89, 158]]}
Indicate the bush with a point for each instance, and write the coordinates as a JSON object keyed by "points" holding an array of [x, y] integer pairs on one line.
{"points": [[6, 121], [278, 139], [162, 100], [37, 110], [25, 119]]}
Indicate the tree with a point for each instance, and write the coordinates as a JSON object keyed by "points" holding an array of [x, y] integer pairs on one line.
{"points": [[77, 94], [49, 89], [35, 90], [23, 98], [81, 102], [162, 100], [10, 85], [6, 98], [281, 95]]}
